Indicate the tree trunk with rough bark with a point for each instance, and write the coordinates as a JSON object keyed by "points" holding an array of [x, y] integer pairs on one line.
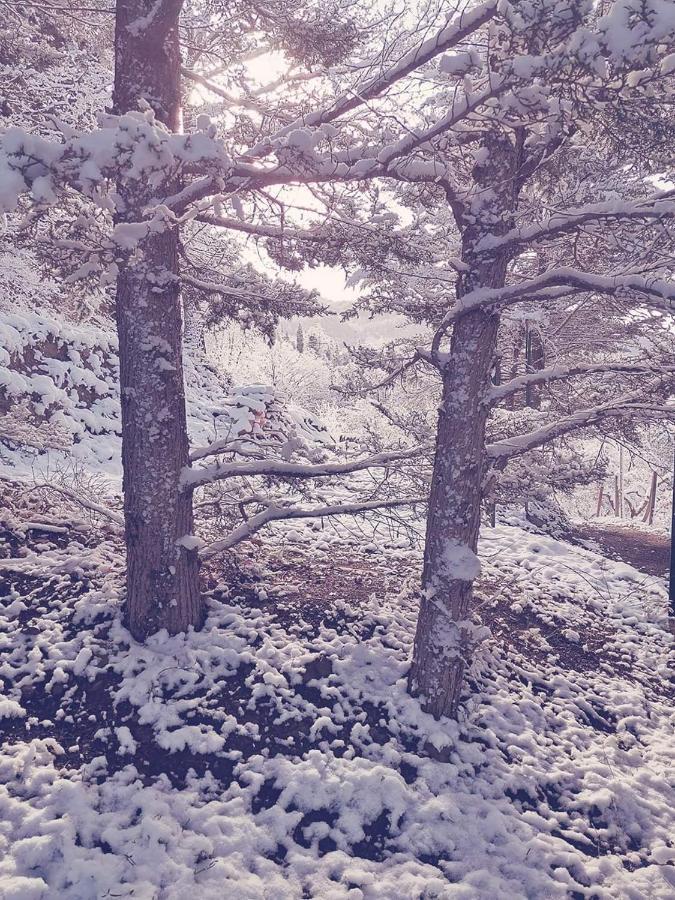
{"points": [[162, 574], [443, 639]]}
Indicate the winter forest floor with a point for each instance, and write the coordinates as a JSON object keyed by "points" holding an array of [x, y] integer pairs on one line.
{"points": [[277, 754]]}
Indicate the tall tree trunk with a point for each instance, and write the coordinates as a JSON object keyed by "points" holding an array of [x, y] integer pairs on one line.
{"points": [[671, 583], [162, 575], [443, 639]]}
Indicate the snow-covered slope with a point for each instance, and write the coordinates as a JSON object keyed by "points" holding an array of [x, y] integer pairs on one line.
{"points": [[276, 754], [59, 396]]}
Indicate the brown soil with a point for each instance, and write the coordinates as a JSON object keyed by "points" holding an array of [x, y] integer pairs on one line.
{"points": [[650, 553]]}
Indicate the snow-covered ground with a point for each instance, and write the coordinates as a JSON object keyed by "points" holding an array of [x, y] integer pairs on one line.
{"points": [[276, 754]]}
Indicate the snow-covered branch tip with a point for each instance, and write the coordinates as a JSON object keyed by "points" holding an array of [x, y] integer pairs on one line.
{"points": [[554, 284], [660, 206]]}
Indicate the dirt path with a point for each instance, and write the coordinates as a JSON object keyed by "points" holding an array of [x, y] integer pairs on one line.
{"points": [[648, 552]]}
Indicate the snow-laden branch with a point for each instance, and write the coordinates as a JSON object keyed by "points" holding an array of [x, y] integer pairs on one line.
{"points": [[558, 283], [460, 109], [630, 405], [193, 478], [242, 446], [660, 206], [447, 37], [313, 235], [562, 373], [275, 512]]}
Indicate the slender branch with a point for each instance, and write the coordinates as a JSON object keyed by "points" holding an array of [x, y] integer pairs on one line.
{"points": [[266, 231], [632, 404], [83, 502], [448, 36], [243, 102], [658, 293], [274, 513]]}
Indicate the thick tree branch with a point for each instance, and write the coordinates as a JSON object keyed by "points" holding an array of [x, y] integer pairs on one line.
{"points": [[562, 373], [659, 207], [193, 478]]}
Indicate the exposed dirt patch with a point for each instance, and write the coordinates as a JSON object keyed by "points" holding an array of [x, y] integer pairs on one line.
{"points": [[537, 640], [646, 551], [311, 590]]}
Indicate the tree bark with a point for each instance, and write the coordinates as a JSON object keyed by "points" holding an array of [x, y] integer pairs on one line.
{"points": [[671, 583], [443, 639], [442, 646], [162, 574]]}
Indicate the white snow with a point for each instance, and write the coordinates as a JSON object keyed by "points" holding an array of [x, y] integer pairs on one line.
{"points": [[555, 780]]}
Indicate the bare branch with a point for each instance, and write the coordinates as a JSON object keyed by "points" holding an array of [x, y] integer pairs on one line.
{"points": [[274, 513], [110, 514], [243, 102]]}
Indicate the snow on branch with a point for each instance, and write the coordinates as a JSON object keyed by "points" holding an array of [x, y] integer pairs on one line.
{"points": [[630, 405], [449, 36], [554, 284], [661, 206], [562, 373], [314, 235], [194, 478], [275, 512]]}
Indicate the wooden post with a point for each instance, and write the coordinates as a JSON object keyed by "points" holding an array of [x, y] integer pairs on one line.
{"points": [[651, 502], [616, 495], [598, 508]]}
